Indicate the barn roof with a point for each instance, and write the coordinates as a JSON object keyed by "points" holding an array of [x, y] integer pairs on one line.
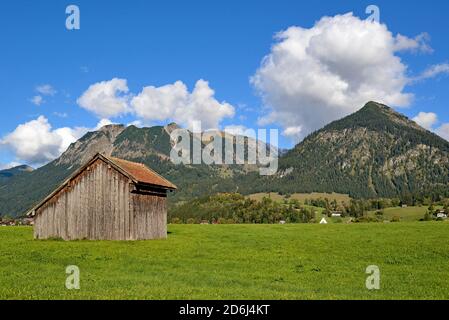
{"points": [[137, 172], [141, 173]]}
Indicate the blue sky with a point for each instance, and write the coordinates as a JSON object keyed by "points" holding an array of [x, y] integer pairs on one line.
{"points": [[46, 68]]}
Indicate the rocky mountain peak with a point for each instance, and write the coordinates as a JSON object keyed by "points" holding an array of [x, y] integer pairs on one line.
{"points": [[101, 141], [113, 129], [172, 127]]}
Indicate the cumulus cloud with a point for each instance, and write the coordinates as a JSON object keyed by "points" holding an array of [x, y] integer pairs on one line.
{"points": [[37, 100], [426, 119], [293, 132], [102, 123], [314, 76], [418, 44], [443, 131], [106, 99], [36, 142], [174, 102]]}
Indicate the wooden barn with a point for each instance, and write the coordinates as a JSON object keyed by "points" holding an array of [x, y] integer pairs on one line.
{"points": [[106, 199]]}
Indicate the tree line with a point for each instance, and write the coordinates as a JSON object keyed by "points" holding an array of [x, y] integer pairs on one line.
{"points": [[230, 208], [235, 208]]}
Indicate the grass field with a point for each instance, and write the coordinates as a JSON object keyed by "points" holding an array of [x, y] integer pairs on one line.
{"points": [[235, 262], [405, 214]]}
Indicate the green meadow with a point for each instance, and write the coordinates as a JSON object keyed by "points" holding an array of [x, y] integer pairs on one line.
{"points": [[297, 261], [405, 214], [302, 196]]}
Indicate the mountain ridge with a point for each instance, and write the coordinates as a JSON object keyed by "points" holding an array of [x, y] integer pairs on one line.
{"points": [[388, 151], [374, 152], [7, 174]]}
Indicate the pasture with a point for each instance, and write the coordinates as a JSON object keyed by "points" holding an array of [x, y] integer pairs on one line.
{"points": [[297, 261], [405, 214], [340, 198]]}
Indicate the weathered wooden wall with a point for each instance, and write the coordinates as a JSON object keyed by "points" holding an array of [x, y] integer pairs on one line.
{"points": [[99, 205], [149, 221]]}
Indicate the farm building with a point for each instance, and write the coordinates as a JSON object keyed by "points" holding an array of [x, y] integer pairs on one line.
{"points": [[441, 214], [106, 199], [336, 214]]}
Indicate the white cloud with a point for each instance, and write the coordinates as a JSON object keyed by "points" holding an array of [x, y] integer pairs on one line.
{"points": [[293, 132], [443, 131], [42, 90], [426, 119], [37, 100], [236, 130], [432, 72], [314, 76], [175, 103], [240, 130], [36, 142], [46, 90], [136, 123], [102, 123], [418, 44], [172, 102], [9, 165], [106, 99]]}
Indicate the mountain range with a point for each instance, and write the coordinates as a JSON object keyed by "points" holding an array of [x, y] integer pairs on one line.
{"points": [[375, 152], [7, 174]]}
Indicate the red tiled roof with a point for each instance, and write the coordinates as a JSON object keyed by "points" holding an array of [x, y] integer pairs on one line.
{"points": [[142, 173]]}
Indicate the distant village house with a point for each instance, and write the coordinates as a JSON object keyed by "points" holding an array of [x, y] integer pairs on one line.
{"points": [[441, 214], [336, 214]]}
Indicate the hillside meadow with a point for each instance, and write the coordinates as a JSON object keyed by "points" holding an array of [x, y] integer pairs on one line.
{"points": [[405, 214], [297, 261], [340, 198]]}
